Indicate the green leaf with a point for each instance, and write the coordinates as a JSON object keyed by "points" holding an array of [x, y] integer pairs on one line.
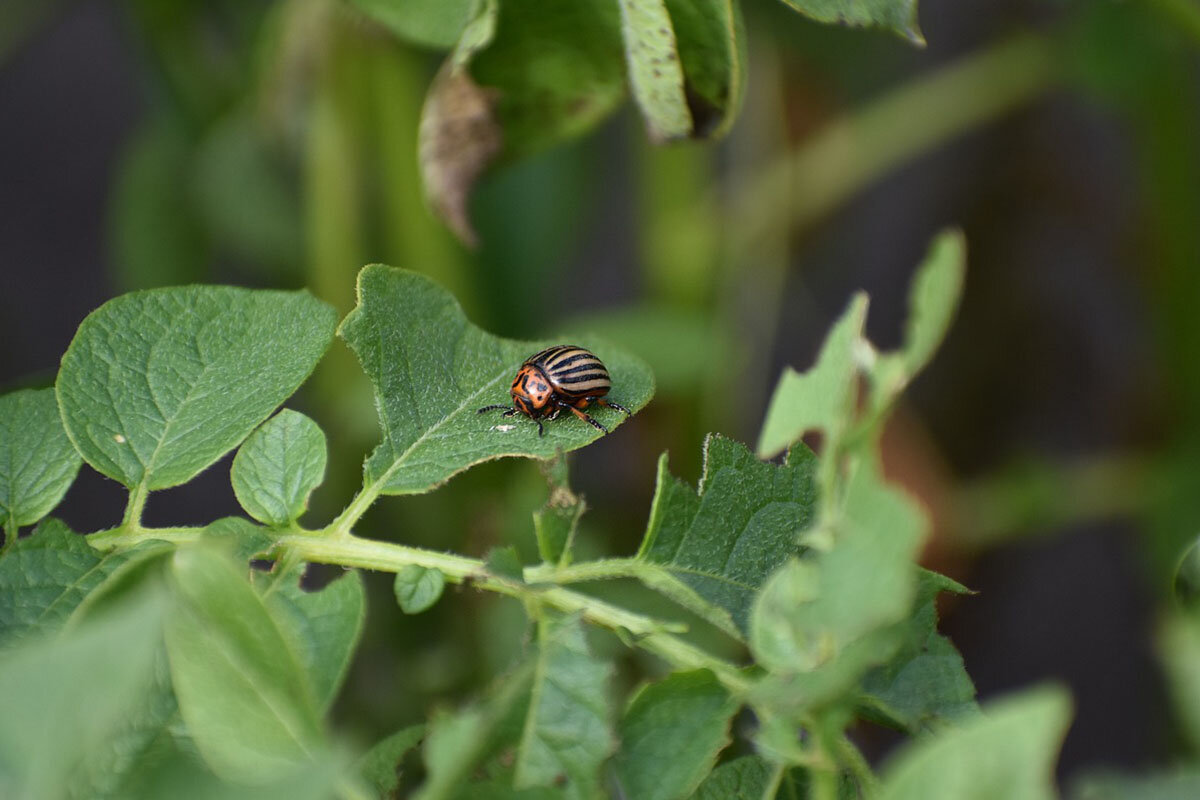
{"points": [[926, 681], [37, 462], [897, 15], [49, 574], [655, 74], [380, 765], [710, 40], [719, 544], [745, 778], [433, 370], [240, 536], [504, 563], [525, 75], [158, 385], [66, 697], [671, 735], [823, 397], [242, 690], [932, 302], [1006, 753], [457, 742], [432, 23], [278, 466], [418, 588], [324, 626], [1179, 649], [1183, 784], [568, 731], [554, 525], [814, 607]]}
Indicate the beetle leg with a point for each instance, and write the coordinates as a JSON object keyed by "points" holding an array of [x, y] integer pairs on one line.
{"points": [[493, 408], [541, 430], [510, 413], [586, 418], [611, 404]]}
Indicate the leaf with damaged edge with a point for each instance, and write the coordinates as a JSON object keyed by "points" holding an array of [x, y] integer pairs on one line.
{"points": [[324, 625], [417, 588], [555, 523], [241, 688], [38, 463], [158, 385], [671, 735], [380, 766], [897, 15], [278, 466], [654, 70], [433, 370], [718, 544], [568, 729]]}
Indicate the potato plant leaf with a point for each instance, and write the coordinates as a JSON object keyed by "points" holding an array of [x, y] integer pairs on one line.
{"points": [[241, 688], [433, 370], [719, 543], [278, 466], [324, 625], [897, 15], [568, 729], [380, 765], [671, 735], [711, 43], [655, 74], [1011, 749], [555, 523], [158, 385], [417, 588], [431, 23], [37, 461], [744, 778]]}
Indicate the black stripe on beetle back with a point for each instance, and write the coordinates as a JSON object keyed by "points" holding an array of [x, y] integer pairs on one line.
{"points": [[591, 366], [572, 357], [542, 356], [591, 377]]}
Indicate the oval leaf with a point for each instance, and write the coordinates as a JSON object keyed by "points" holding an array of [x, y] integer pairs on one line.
{"points": [[418, 588], [158, 385], [433, 370], [277, 468], [241, 689], [897, 15], [37, 462], [654, 70]]}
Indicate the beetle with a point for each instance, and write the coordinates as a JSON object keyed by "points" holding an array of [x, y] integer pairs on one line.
{"points": [[563, 376]]}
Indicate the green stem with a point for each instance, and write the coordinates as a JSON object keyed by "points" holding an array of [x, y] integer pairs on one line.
{"points": [[772, 787], [345, 522], [852, 758], [133, 510], [123, 537]]}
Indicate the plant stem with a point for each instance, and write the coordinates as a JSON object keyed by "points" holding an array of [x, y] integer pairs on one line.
{"points": [[123, 537], [340, 528], [849, 755], [133, 510], [772, 787]]}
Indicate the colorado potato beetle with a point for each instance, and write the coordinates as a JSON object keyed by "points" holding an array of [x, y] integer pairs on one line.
{"points": [[563, 376]]}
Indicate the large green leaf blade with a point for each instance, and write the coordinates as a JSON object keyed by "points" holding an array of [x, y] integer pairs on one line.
{"points": [[717, 545], [158, 385], [278, 466], [671, 735], [432, 370], [37, 461], [432, 23], [325, 626], [655, 73], [1006, 753], [568, 731], [242, 690], [67, 696], [897, 15]]}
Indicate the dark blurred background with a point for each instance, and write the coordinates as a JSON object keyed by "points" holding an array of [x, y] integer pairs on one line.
{"points": [[1055, 438]]}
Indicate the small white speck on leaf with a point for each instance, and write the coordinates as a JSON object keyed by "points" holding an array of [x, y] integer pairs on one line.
{"points": [[503, 428], [119, 438]]}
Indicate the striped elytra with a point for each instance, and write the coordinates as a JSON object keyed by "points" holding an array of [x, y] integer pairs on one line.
{"points": [[563, 376]]}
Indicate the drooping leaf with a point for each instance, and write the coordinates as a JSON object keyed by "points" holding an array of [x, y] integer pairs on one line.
{"points": [[37, 461], [1006, 753], [433, 370], [897, 15], [655, 74], [380, 765], [719, 544], [926, 680], [671, 735], [823, 397], [745, 778], [65, 697], [324, 626], [815, 607], [524, 75], [711, 42], [418, 588], [568, 729], [48, 574], [457, 742], [242, 690], [278, 466], [432, 23], [158, 385]]}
